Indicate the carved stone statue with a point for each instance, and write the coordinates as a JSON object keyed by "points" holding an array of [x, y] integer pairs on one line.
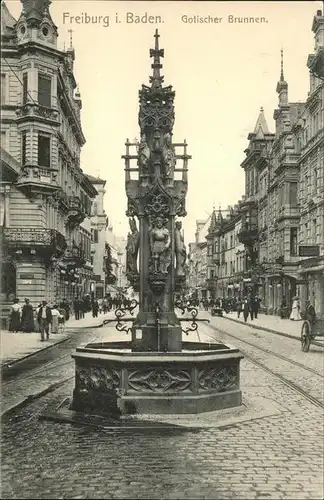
{"points": [[180, 249], [132, 247], [160, 246], [169, 157], [144, 154]]}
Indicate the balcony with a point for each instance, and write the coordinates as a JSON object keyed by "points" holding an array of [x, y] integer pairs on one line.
{"points": [[248, 236], [36, 112], [74, 256], [34, 179], [34, 240], [76, 212]]}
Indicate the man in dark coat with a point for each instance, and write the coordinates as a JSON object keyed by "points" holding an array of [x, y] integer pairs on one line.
{"points": [[255, 306], [76, 306], [44, 319], [246, 308]]}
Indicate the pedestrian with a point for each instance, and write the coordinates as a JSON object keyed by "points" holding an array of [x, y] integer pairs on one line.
{"points": [[44, 319], [246, 309], [255, 305], [65, 305], [37, 325], [283, 308], [238, 307], [95, 309], [82, 308], [15, 317], [27, 318], [56, 315], [295, 310], [76, 306]]}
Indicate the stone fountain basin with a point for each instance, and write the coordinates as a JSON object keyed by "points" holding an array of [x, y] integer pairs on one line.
{"points": [[110, 379]]}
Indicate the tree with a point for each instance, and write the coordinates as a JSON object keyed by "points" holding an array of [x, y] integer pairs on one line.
{"points": [[110, 277]]}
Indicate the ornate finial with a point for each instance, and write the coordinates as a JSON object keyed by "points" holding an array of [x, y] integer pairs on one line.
{"points": [[281, 63], [71, 44], [261, 109], [156, 53]]}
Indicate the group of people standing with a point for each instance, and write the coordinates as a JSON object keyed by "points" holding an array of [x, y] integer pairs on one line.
{"points": [[43, 320]]}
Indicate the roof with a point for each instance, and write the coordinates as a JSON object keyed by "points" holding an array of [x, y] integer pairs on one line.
{"points": [[95, 180], [88, 186], [261, 127], [7, 21]]}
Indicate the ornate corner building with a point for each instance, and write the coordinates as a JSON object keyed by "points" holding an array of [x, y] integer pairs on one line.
{"points": [[45, 197]]}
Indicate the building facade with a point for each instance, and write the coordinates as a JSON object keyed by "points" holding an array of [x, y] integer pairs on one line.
{"points": [[99, 223], [226, 256], [309, 136], [198, 261], [44, 194]]}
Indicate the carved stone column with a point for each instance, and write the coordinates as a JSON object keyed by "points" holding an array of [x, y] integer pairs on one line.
{"points": [[156, 198]]}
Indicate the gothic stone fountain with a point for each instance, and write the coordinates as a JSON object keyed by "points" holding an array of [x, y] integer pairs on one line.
{"points": [[156, 371]]}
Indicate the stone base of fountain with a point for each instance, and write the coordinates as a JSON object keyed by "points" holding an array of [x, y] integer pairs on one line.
{"points": [[111, 380]]}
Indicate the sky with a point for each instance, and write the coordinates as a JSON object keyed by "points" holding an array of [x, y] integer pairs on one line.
{"points": [[222, 74]]}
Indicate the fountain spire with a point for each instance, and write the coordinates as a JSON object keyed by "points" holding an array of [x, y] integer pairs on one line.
{"points": [[156, 79]]}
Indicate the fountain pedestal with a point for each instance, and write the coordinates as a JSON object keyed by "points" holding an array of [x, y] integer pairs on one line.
{"points": [[202, 377]]}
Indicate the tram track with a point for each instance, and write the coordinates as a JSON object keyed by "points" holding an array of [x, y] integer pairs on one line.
{"points": [[268, 351], [292, 385]]}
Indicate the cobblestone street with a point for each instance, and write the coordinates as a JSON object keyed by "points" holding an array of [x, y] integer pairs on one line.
{"points": [[277, 456]]}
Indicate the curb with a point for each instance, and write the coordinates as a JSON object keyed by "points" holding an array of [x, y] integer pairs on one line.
{"points": [[11, 366], [270, 330], [33, 397], [265, 329]]}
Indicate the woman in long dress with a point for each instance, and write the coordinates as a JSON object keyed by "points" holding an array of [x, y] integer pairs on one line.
{"points": [[27, 318], [15, 317], [295, 310], [56, 315]]}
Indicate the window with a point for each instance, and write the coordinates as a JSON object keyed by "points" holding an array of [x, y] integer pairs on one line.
{"points": [[44, 90], [293, 194], [94, 235], [211, 274], [3, 88], [23, 148], [25, 88], [95, 208], [293, 241], [44, 151]]}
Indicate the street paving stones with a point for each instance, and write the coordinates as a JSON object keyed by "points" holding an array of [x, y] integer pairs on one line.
{"points": [[277, 455]]}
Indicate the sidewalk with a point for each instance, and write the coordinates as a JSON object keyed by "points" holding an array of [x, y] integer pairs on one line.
{"points": [[269, 323], [15, 348]]}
